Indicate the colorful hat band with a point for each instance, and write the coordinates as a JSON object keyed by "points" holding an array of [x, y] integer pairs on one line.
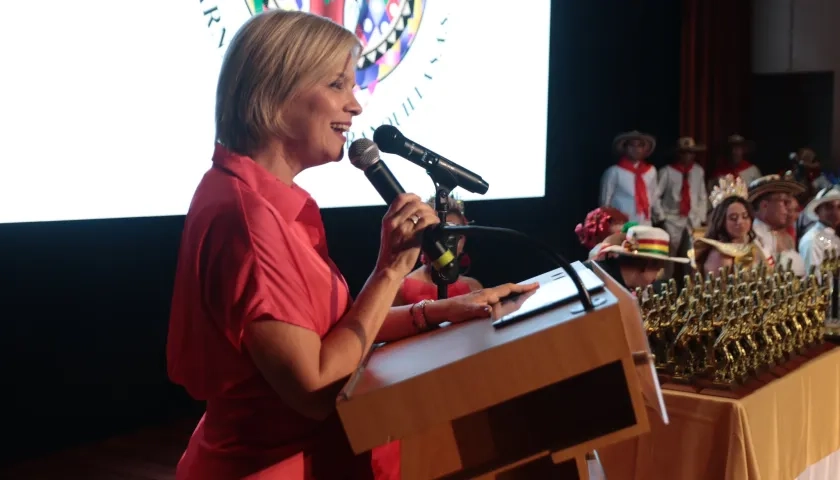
{"points": [[649, 246]]}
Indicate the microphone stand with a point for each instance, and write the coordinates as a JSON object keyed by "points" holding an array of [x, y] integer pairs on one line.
{"points": [[448, 235], [448, 274]]}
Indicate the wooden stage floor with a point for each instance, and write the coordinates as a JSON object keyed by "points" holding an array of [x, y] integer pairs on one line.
{"points": [[147, 454]]}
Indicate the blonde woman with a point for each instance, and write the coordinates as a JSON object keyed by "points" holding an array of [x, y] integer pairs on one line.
{"points": [[262, 325]]}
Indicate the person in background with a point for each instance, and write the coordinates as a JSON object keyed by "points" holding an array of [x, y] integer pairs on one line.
{"points": [[735, 162], [682, 190], [630, 185], [729, 239], [639, 258], [807, 171], [418, 285], [771, 197], [821, 237], [262, 326], [599, 225]]}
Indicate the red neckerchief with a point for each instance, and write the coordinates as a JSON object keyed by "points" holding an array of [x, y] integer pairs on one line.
{"points": [[726, 169], [685, 193], [638, 170]]}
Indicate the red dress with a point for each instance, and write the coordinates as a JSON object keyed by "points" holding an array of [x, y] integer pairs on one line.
{"points": [[413, 290], [253, 249]]}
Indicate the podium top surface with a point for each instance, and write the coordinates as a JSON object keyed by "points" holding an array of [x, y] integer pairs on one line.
{"points": [[421, 354]]}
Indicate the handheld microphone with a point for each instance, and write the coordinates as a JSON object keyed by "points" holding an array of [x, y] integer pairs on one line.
{"points": [[364, 155], [391, 140]]}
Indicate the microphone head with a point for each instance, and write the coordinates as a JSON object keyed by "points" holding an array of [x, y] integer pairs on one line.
{"points": [[388, 138], [363, 153]]}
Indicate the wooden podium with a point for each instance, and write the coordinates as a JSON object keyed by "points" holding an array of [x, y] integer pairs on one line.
{"points": [[525, 401]]}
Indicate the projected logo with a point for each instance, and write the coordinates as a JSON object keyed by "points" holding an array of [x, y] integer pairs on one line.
{"points": [[387, 30]]}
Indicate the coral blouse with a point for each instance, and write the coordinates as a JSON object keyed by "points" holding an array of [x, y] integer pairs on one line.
{"points": [[253, 249]]}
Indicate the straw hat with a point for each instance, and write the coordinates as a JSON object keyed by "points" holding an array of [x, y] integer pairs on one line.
{"points": [[621, 140], [736, 140], [825, 195], [645, 242], [687, 144], [774, 184]]}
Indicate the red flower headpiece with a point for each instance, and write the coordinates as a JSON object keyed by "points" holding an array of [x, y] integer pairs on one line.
{"points": [[598, 226]]}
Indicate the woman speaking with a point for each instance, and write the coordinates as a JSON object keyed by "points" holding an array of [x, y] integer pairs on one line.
{"points": [[262, 325]]}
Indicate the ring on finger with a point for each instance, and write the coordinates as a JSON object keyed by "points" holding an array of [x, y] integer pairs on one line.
{"points": [[414, 219]]}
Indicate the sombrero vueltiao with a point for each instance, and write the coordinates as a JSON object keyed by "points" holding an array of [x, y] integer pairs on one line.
{"points": [[687, 144], [620, 141], [825, 195], [736, 140], [774, 184], [645, 242]]}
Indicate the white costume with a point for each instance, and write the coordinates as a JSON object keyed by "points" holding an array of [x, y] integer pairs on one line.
{"points": [[768, 241], [670, 191], [618, 190], [815, 243]]}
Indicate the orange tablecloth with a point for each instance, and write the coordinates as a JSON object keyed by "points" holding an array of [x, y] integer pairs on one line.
{"points": [[774, 433]]}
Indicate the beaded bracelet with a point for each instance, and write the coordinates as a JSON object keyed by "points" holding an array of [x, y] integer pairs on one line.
{"points": [[418, 315]]}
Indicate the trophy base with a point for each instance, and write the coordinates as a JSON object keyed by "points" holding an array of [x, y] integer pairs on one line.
{"points": [[816, 350], [732, 390], [680, 387]]}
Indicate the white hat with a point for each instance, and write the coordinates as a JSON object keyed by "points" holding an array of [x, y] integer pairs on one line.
{"points": [[828, 194], [646, 242]]}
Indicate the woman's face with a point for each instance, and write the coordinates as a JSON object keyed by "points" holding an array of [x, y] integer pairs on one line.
{"points": [[320, 117], [456, 219], [738, 222]]}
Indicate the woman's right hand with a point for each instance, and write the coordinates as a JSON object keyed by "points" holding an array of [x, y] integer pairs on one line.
{"points": [[402, 228], [477, 304]]}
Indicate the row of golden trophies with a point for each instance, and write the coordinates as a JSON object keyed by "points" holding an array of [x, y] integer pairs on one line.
{"points": [[721, 331]]}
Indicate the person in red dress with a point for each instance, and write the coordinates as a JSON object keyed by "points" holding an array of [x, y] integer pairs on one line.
{"points": [[262, 326], [418, 285]]}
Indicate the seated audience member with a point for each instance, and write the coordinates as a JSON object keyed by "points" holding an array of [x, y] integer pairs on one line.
{"points": [[821, 237], [771, 197], [599, 225], [262, 326], [418, 285], [729, 238], [639, 258]]}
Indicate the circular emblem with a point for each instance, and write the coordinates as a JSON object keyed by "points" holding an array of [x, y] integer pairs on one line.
{"points": [[387, 30]]}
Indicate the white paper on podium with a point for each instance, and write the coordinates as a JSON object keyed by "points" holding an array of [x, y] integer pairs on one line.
{"points": [[631, 315]]}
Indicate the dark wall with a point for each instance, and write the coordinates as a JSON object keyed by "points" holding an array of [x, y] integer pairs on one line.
{"points": [[85, 304], [790, 111]]}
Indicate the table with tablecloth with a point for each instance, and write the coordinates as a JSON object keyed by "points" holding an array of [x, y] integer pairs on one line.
{"points": [[788, 429]]}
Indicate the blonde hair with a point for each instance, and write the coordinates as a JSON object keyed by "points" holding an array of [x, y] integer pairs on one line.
{"points": [[271, 59]]}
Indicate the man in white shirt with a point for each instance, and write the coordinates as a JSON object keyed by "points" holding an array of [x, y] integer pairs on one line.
{"points": [[821, 237], [771, 197], [630, 185], [736, 163], [683, 199]]}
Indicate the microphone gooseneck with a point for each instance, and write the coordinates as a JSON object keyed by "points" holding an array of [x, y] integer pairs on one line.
{"points": [[559, 260]]}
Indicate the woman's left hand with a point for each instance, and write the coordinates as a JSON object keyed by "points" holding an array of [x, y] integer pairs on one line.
{"points": [[477, 304]]}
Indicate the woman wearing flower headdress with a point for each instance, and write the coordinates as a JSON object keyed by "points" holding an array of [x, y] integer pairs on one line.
{"points": [[418, 285], [730, 239], [600, 224]]}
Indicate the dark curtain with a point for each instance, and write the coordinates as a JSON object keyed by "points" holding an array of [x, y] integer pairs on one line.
{"points": [[715, 72]]}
